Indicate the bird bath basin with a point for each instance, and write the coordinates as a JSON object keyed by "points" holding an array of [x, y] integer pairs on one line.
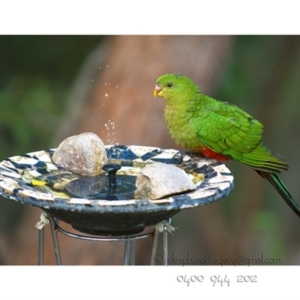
{"points": [[30, 178]]}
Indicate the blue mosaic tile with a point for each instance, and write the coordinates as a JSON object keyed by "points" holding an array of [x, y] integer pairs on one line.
{"points": [[41, 167], [127, 154], [150, 154], [113, 153], [20, 166], [210, 175]]}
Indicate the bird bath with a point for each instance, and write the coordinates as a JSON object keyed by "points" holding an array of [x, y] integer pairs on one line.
{"points": [[105, 206]]}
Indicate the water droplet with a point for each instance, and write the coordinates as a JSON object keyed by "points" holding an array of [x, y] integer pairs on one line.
{"points": [[110, 127], [106, 95]]}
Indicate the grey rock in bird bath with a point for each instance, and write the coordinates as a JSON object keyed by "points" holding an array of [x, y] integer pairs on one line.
{"points": [[158, 180], [82, 154]]}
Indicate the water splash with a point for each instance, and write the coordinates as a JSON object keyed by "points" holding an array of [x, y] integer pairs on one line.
{"points": [[111, 132], [110, 127]]}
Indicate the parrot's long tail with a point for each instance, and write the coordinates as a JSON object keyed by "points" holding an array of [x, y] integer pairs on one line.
{"points": [[281, 189]]}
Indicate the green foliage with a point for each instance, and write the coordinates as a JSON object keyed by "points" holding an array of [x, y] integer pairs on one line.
{"points": [[36, 76], [54, 58], [247, 69], [30, 112], [266, 224]]}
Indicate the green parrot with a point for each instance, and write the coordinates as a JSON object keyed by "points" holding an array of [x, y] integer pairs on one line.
{"points": [[219, 130]]}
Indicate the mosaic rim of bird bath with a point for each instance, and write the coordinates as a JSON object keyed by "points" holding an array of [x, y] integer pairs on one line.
{"points": [[19, 173]]}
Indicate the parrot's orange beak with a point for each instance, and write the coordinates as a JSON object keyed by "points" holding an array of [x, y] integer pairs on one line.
{"points": [[157, 91]]}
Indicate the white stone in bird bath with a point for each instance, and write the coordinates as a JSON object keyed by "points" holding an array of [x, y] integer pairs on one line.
{"points": [[158, 180], [82, 154]]}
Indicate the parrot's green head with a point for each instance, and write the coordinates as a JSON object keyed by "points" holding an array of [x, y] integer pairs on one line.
{"points": [[174, 87]]}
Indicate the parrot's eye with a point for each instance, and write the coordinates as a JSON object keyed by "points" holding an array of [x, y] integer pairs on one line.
{"points": [[169, 84]]}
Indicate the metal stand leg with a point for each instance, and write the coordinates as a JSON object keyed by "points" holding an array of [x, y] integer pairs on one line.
{"points": [[129, 255], [154, 248], [41, 247], [160, 227], [55, 242], [165, 245]]}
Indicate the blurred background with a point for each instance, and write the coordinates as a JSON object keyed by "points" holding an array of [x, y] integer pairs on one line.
{"points": [[52, 87]]}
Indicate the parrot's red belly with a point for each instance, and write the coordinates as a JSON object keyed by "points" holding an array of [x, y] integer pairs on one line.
{"points": [[211, 154]]}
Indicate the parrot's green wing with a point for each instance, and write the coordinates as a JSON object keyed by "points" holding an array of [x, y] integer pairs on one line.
{"points": [[223, 127], [226, 129]]}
